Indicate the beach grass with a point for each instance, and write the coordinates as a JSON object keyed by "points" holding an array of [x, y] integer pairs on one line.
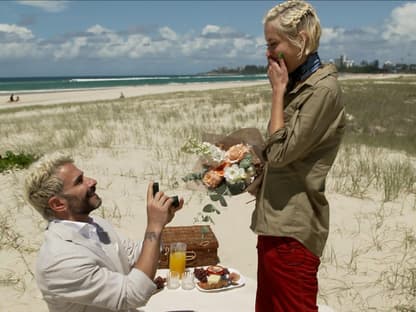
{"points": [[369, 257]]}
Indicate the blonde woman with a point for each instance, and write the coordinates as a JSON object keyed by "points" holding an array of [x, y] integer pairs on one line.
{"points": [[305, 129]]}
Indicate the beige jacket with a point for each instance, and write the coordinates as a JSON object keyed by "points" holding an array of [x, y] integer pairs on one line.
{"points": [[78, 274], [291, 201]]}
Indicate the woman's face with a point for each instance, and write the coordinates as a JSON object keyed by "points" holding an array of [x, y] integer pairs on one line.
{"points": [[277, 44]]}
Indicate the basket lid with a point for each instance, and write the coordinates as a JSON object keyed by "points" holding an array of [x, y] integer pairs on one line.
{"points": [[195, 236]]}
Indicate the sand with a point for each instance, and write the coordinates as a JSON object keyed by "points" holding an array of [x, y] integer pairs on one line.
{"points": [[98, 94], [123, 194]]}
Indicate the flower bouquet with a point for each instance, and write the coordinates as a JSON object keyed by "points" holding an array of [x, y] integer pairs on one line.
{"points": [[227, 165]]}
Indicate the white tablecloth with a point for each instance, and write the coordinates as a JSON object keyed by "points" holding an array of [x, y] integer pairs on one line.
{"points": [[240, 299]]}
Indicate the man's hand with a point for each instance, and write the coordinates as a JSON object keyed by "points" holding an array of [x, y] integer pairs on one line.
{"points": [[160, 210]]}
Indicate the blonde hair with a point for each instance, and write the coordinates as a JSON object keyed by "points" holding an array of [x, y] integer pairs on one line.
{"points": [[293, 16], [41, 183]]}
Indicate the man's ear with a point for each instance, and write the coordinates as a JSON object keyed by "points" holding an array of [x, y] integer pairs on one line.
{"points": [[57, 204]]}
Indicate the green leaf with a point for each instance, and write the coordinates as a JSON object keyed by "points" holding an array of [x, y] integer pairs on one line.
{"points": [[209, 208], [221, 189], [223, 202], [208, 219], [215, 197], [246, 162]]}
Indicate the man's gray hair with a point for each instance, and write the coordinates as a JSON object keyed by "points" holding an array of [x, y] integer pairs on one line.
{"points": [[41, 182]]}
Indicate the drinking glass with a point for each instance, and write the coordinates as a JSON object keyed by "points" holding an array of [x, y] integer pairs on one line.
{"points": [[177, 258], [188, 282], [172, 280]]}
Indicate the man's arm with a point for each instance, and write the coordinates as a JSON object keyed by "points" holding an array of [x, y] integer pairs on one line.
{"points": [[159, 213]]}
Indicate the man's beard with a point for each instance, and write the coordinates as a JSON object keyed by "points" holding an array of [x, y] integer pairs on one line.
{"points": [[83, 206]]}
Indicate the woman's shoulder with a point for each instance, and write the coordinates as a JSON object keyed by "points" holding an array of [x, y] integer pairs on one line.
{"points": [[327, 75]]}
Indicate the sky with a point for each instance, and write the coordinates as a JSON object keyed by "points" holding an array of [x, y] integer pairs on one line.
{"points": [[84, 38]]}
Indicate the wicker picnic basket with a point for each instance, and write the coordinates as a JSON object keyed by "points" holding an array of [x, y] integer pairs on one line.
{"points": [[202, 245]]}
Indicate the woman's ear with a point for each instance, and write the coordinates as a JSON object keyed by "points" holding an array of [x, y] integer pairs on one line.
{"points": [[57, 204], [303, 38]]}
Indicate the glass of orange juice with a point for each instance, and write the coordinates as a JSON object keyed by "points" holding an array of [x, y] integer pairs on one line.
{"points": [[177, 258]]}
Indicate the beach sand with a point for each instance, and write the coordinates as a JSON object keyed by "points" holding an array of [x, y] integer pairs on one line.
{"points": [[99, 94], [350, 269]]}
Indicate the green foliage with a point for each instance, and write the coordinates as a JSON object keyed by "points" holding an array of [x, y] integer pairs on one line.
{"points": [[381, 113], [12, 161]]}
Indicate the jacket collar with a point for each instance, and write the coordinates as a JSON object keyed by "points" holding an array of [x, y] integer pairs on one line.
{"points": [[70, 234], [321, 73]]}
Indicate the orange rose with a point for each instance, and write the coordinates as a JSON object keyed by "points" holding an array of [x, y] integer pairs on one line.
{"points": [[212, 179], [220, 169], [236, 152]]}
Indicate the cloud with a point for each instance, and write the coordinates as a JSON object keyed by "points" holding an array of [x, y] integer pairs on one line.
{"points": [[331, 34], [402, 23], [48, 6], [98, 29], [14, 32], [218, 32], [17, 42], [394, 40], [168, 33], [70, 49]]}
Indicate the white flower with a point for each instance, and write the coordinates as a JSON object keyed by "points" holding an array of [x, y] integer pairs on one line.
{"points": [[234, 173], [212, 154], [217, 154]]}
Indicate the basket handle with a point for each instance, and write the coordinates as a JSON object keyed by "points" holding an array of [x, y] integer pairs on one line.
{"points": [[190, 255], [204, 243], [165, 251]]}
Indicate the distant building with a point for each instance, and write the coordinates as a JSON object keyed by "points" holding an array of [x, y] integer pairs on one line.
{"points": [[343, 62], [388, 66]]}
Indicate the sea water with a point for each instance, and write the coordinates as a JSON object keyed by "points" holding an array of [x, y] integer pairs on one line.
{"points": [[51, 84]]}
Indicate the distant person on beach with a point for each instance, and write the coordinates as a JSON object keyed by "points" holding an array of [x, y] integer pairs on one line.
{"points": [[83, 265], [305, 129], [12, 99]]}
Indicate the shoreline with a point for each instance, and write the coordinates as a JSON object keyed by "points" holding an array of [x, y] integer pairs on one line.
{"points": [[51, 97], [114, 93]]}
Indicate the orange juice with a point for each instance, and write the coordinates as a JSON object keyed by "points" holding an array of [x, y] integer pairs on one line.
{"points": [[177, 261]]}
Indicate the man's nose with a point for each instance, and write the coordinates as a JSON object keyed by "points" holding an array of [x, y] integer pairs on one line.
{"points": [[91, 182]]}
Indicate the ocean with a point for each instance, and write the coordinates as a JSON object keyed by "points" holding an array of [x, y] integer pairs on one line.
{"points": [[51, 84]]}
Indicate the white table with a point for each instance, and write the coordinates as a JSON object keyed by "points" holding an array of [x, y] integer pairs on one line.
{"points": [[240, 299]]}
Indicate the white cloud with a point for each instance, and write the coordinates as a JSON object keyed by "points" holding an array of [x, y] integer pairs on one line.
{"points": [[211, 29], [393, 40], [330, 34], [98, 29], [402, 23], [168, 33], [20, 50], [14, 31], [70, 49], [48, 6]]}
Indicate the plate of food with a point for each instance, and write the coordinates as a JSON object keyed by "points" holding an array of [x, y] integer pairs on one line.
{"points": [[218, 278]]}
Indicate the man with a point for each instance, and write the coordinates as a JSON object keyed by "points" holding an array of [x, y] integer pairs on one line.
{"points": [[83, 265]]}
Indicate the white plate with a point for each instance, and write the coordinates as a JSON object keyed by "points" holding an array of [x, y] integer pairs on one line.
{"points": [[239, 283]]}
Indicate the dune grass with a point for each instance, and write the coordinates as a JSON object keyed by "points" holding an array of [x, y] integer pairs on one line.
{"points": [[376, 163]]}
